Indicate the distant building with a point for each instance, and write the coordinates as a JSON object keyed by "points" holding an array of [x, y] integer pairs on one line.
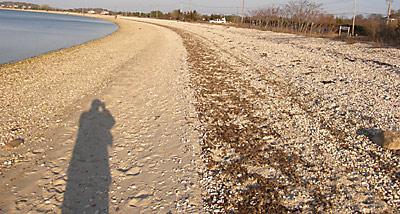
{"points": [[91, 12], [105, 12], [344, 28], [218, 21]]}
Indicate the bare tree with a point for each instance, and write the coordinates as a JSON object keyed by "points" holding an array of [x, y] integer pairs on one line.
{"points": [[303, 16], [303, 10], [45, 7]]}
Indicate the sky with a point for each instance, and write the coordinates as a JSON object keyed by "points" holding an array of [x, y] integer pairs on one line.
{"points": [[337, 7]]}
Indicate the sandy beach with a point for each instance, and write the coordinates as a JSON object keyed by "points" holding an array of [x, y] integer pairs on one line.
{"points": [[165, 116], [139, 73]]}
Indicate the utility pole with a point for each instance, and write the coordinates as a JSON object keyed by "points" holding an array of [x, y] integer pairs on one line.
{"points": [[242, 11], [180, 15], [389, 12], [354, 17]]}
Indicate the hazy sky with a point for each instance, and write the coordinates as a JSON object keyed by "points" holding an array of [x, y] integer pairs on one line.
{"points": [[339, 7]]}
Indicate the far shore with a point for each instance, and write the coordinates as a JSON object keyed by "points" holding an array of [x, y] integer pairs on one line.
{"points": [[106, 17], [43, 11]]}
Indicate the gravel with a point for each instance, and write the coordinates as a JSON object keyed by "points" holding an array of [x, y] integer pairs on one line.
{"points": [[286, 122], [281, 120]]}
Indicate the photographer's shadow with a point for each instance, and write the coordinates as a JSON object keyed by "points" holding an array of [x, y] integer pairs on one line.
{"points": [[88, 173]]}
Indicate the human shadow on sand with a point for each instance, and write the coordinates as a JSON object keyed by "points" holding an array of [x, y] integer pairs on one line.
{"points": [[88, 173]]}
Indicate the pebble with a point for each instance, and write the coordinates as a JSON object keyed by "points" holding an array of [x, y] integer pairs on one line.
{"points": [[56, 170], [387, 139], [124, 168], [134, 171], [119, 148], [60, 182], [15, 143], [143, 194], [38, 151], [391, 140], [134, 202]]}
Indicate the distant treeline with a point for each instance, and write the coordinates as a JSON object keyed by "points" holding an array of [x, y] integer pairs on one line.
{"points": [[23, 5], [189, 16], [308, 17], [297, 16]]}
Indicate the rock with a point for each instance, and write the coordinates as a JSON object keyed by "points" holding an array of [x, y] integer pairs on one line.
{"points": [[327, 82], [134, 171], [145, 203], [387, 139], [59, 189], [15, 143], [38, 151], [21, 204], [59, 197], [56, 170], [143, 194], [124, 168], [43, 208], [391, 140], [119, 148], [59, 183], [139, 202], [134, 202]]}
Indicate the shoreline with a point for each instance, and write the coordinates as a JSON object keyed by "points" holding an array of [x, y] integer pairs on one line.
{"points": [[22, 75], [97, 16], [140, 76]]}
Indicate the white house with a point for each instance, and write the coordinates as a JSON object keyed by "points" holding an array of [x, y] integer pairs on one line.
{"points": [[218, 21]]}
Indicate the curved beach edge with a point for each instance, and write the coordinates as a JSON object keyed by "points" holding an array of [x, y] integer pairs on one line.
{"points": [[71, 48]]}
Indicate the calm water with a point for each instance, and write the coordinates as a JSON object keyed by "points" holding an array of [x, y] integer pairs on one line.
{"points": [[27, 34]]}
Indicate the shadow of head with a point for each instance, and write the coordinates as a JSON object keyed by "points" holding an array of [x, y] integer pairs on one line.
{"points": [[97, 105], [375, 135]]}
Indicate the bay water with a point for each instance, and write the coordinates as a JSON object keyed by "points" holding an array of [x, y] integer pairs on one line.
{"points": [[26, 34]]}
